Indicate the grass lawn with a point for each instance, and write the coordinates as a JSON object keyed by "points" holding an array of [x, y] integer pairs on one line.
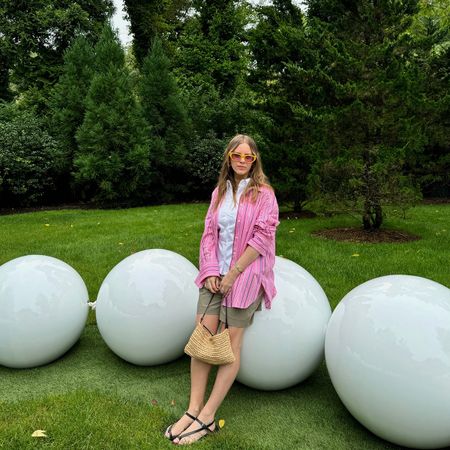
{"points": [[92, 399]]}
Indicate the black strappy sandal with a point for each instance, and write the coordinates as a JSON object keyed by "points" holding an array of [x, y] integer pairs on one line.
{"points": [[202, 427], [169, 428]]}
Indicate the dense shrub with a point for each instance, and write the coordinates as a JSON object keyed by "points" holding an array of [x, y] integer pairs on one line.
{"points": [[205, 162], [29, 159]]}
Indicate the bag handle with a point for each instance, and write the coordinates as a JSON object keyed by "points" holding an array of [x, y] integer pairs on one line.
{"points": [[226, 314]]}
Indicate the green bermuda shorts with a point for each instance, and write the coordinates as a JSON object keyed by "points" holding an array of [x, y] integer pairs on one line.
{"points": [[237, 317]]}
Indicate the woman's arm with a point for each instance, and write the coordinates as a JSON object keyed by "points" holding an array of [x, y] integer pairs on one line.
{"points": [[249, 255], [266, 224]]}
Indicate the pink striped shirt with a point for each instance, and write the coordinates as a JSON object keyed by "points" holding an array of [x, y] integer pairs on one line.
{"points": [[255, 226]]}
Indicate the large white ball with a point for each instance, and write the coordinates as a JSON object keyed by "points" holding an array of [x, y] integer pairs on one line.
{"points": [[146, 306], [388, 354], [284, 345], [43, 310]]}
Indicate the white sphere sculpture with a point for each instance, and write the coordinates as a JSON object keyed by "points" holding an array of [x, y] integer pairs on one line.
{"points": [[285, 344], [146, 306], [388, 354], [43, 310]]}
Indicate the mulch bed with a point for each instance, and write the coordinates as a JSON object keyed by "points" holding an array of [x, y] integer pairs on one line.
{"points": [[436, 201], [363, 236], [305, 214]]}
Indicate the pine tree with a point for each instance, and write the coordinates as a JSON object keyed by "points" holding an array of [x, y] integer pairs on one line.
{"points": [[168, 125], [152, 18], [366, 100], [34, 36], [112, 160], [212, 49], [211, 64], [109, 53], [279, 46], [430, 32], [67, 103]]}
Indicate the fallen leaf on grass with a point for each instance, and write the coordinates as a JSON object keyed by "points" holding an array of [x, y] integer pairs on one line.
{"points": [[154, 402], [39, 433], [47, 224], [172, 403], [221, 423], [355, 254]]}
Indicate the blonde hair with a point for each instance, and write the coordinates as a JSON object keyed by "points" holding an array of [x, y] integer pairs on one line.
{"points": [[256, 174]]}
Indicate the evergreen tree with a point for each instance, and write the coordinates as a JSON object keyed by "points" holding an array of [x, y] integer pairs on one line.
{"points": [[67, 103], [211, 64], [109, 53], [112, 160], [430, 32], [150, 18], [34, 36], [369, 125], [212, 50], [279, 47], [168, 125]]}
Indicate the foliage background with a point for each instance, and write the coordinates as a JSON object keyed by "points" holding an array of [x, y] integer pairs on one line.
{"points": [[348, 101]]}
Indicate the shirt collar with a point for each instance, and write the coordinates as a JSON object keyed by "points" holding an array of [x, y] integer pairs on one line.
{"points": [[242, 184]]}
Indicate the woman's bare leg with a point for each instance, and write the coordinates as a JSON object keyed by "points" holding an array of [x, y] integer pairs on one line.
{"points": [[224, 380], [199, 380]]}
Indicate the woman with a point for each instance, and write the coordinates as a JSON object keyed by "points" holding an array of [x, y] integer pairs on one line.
{"points": [[237, 254]]}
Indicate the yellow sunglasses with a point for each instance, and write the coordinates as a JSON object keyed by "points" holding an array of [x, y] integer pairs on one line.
{"points": [[236, 156]]}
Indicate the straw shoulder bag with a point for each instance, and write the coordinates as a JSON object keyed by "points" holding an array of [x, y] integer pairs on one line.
{"points": [[209, 347]]}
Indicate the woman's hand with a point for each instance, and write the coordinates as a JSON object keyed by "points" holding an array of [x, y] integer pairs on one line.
{"points": [[228, 280], [212, 284]]}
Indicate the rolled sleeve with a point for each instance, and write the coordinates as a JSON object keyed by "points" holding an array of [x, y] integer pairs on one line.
{"points": [[212, 271], [263, 237]]}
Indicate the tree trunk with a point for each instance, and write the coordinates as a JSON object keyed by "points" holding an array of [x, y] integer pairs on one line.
{"points": [[372, 216], [373, 213], [297, 205]]}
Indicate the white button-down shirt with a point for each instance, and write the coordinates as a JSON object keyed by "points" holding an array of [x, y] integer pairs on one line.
{"points": [[227, 223]]}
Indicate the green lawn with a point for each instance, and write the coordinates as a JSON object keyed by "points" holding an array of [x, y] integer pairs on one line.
{"points": [[90, 398]]}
